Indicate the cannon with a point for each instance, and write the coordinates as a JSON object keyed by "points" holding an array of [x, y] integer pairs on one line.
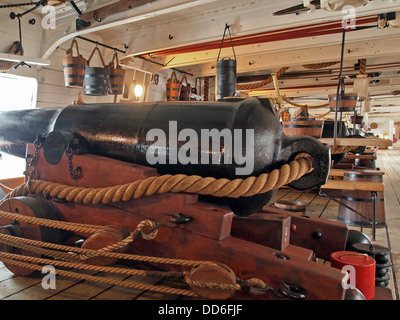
{"points": [[120, 146], [228, 139]]}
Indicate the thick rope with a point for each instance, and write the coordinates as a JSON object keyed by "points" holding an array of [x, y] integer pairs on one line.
{"points": [[363, 66], [69, 226], [262, 83], [206, 88], [309, 107], [84, 228], [32, 263], [132, 237], [170, 183], [116, 255], [13, 259], [342, 149], [74, 262], [315, 66]]}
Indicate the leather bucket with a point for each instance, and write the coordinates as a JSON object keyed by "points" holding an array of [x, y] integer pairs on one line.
{"points": [[117, 77], [173, 88], [74, 67], [96, 79]]}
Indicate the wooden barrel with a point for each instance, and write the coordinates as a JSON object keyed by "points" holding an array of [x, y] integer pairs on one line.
{"points": [[173, 88], [303, 125], [361, 201], [366, 163], [347, 104], [117, 77], [96, 79], [292, 206], [74, 68]]}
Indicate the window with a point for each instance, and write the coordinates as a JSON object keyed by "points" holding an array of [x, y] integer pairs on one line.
{"points": [[17, 92]]}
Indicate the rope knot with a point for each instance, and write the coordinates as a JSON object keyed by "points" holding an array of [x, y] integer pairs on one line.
{"points": [[254, 286]]}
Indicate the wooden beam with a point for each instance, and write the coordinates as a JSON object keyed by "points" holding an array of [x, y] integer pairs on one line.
{"points": [[353, 185], [203, 63], [157, 8], [358, 142], [17, 58], [118, 7], [360, 156]]}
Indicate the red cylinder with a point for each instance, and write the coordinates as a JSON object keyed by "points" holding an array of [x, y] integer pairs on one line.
{"points": [[363, 270]]}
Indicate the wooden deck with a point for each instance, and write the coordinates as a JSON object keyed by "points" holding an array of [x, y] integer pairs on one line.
{"points": [[30, 288]]}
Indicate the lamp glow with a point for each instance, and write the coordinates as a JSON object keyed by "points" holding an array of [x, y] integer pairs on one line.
{"points": [[138, 90]]}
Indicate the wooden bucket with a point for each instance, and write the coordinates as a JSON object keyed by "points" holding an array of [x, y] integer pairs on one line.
{"points": [[186, 90], [117, 77], [74, 68], [285, 115], [347, 104], [173, 88], [356, 120], [303, 126], [361, 201], [291, 206], [96, 79]]}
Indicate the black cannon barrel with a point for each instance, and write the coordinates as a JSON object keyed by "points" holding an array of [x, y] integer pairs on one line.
{"points": [[248, 135], [17, 128]]}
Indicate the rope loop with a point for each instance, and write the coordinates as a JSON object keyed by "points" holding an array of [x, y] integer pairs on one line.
{"points": [[153, 229]]}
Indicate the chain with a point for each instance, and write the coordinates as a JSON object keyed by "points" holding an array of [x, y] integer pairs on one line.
{"points": [[31, 160], [15, 5], [76, 173]]}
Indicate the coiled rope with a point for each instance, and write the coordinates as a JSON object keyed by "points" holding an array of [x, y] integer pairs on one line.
{"points": [[309, 107]]}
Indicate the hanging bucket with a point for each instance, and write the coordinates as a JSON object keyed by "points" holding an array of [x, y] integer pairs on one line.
{"points": [[226, 72], [361, 201], [346, 104], [285, 115], [226, 78], [117, 77], [97, 79], [359, 266], [74, 68], [186, 90], [303, 125], [173, 88]]}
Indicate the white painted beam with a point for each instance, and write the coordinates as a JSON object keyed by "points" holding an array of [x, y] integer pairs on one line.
{"points": [[28, 60], [151, 10], [273, 61]]}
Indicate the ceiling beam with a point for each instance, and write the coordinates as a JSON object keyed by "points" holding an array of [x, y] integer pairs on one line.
{"points": [[273, 61], [111, 9], [154, 9]]}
